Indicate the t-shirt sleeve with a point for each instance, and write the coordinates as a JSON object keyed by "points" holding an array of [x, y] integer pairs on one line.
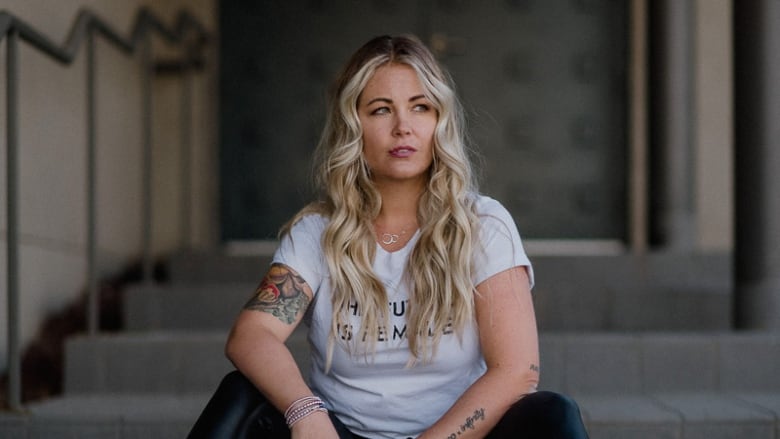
{"points": [[301, 250], [501, 245]]}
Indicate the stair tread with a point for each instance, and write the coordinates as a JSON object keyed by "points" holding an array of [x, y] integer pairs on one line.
{"points": [[715, 415], [700, 406], [639, 407], [106, 406]]}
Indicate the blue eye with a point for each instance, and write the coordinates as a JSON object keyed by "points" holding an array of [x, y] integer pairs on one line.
{"points": [[381, 110], [421, 108]]}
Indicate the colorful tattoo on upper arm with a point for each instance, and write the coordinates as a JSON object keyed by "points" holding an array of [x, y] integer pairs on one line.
{"points": [[281, 293]]}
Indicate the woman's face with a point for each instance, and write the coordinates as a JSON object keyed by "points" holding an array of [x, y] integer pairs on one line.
{"points": [[398, 125]]}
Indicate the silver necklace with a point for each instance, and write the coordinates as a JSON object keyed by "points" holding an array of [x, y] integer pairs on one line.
{"points": [[388, 238], [391, 238]]}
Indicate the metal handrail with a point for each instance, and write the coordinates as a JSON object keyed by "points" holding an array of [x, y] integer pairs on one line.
{"points": [[187, 32]]}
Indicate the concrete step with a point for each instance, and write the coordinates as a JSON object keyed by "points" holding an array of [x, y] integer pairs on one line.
{"points": [[653, 292], [180, 306], [610, 363], [181, 362], [220, 266], [114, 416], [159, 362], [164, 362], [681, 415]]}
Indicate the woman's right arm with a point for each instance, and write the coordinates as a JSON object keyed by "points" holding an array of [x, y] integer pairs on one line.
{"points": [[256, 345]]}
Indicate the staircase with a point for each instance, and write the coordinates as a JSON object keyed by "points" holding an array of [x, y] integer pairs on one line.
{"points": [[605, 339]]}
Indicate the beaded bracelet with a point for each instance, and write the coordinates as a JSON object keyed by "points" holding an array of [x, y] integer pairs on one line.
{"points": [[302, 408]]}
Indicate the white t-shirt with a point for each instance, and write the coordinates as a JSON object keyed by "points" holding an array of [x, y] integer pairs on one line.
{"points": [[377, 396]]}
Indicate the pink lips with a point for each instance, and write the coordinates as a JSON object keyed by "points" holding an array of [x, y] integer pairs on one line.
{"points": [[402, 151]]}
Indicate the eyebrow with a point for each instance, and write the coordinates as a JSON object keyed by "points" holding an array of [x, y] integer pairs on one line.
{"points": [[390, 101]]}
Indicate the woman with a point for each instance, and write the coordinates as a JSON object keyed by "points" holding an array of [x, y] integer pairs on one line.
{"points": [[415, 288]]}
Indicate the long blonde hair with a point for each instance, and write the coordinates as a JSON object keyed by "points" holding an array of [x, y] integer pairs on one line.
{"points": [[439, 268]]}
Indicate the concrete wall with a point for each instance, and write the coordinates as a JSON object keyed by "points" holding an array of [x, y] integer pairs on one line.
{"points": [[52, 162]]}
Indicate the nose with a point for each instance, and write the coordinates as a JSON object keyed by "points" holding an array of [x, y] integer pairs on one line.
{"points": [[402, 126]]}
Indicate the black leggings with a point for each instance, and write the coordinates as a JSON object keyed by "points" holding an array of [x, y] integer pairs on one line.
{"points": [[238, 410]]}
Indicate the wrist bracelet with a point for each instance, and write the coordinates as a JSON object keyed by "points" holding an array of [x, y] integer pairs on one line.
{"points": [[302, 408]]}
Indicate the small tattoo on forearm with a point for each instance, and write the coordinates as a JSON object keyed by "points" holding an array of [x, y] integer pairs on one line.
{"points": [[478, 415], [280, 294], [535, 368]]}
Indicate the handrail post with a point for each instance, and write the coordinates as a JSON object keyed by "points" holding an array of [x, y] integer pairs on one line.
{"points": [[93, 309], [12, 212], [146, 172]]}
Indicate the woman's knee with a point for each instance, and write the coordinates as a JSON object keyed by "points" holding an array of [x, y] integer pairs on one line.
{"points": [[235, 383], [554, 405], [542, 414], [233, 411]]}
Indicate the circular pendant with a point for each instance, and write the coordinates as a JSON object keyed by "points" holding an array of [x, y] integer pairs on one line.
{"points": [[389, 238]]}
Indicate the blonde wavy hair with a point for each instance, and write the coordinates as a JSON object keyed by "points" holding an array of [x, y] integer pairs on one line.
{"points": [[439, 270]]}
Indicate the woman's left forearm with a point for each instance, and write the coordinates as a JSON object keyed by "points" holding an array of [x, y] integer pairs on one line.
{"points": [[509, 343], [483, 404]]}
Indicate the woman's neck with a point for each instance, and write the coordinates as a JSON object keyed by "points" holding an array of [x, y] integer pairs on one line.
{"points": [[399, 206]]}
